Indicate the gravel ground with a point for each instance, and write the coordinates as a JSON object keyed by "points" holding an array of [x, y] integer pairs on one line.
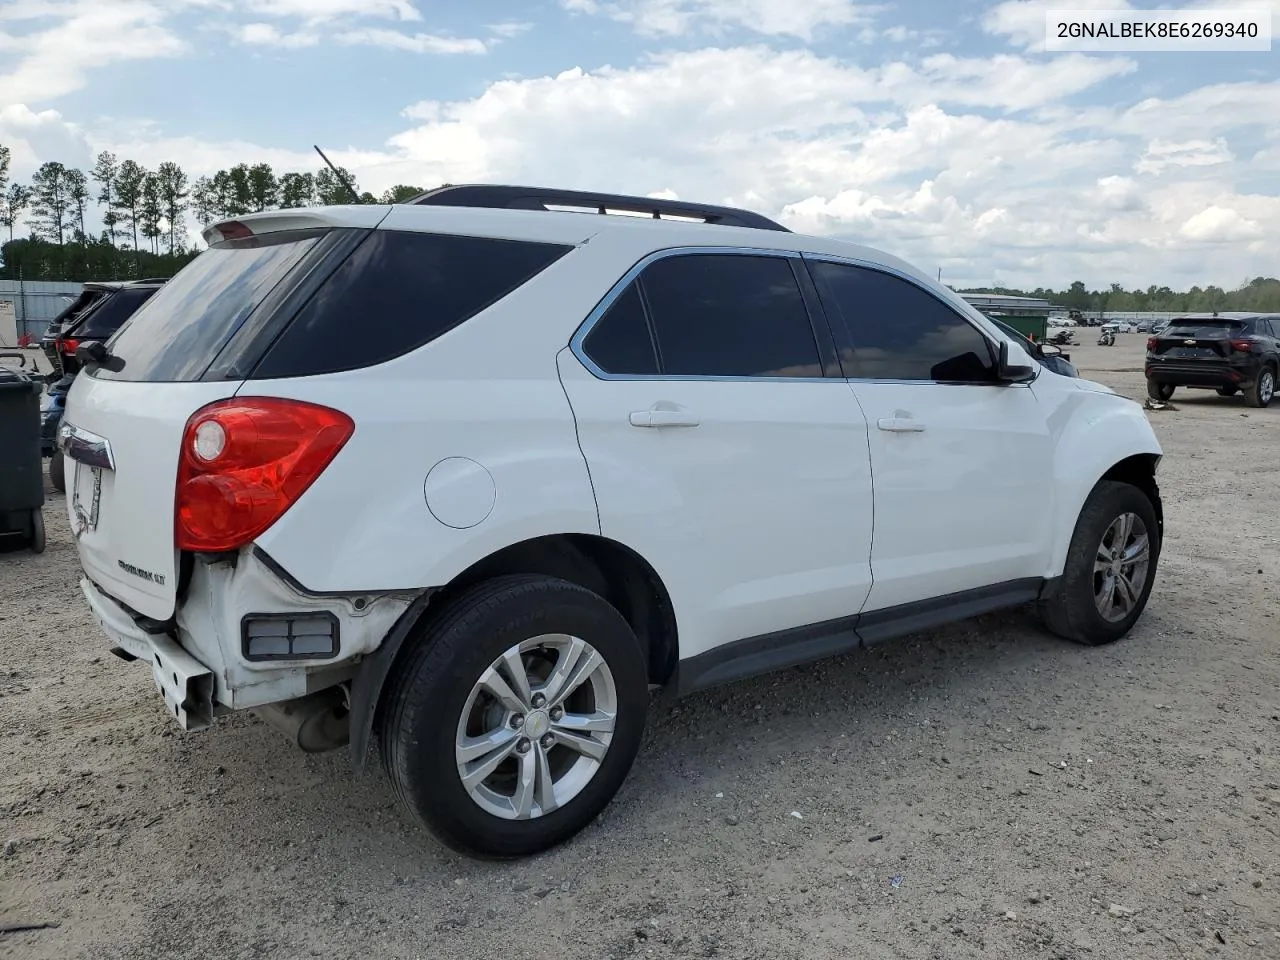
{"points": [[979, 791]]}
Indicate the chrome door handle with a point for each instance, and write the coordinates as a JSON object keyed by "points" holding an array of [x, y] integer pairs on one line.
{"points": [[900, 425], [662, 418]]}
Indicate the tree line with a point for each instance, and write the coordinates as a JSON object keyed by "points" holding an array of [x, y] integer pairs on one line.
{"points": [[1261, 294], [143, 213]]}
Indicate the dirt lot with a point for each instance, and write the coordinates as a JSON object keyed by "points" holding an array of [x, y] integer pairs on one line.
{"points": [[1033, 798]]}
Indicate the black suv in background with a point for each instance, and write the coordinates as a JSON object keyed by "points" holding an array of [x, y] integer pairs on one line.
{"points": [[1228, 352], [99, 311]]}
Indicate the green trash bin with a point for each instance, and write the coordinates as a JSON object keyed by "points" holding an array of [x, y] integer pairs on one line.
{"points": [[21, 466]]}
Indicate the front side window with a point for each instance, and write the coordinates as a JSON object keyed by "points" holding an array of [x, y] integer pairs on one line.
{"points": [[729, 315], [899, 331]]}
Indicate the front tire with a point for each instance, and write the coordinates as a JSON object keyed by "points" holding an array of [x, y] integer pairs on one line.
{"points": [[1110, 568], [1262, 390], [1159, 391], [516, 717]]}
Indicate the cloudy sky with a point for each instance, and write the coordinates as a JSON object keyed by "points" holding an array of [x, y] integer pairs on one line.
{"points": [[939, 130]]}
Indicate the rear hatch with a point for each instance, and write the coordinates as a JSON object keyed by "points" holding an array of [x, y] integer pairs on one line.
{"points": [[1197, 339], [123, 427]]}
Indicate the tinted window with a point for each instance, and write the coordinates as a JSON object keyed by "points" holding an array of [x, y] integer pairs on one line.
{"points": [[109, 315], [398, 291], [728, 315], [1205, 329], [178, 331], [900, 331], [620, 341]]}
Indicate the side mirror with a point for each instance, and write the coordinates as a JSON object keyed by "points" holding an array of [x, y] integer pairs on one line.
{"points": [[1010, 368], [1049, 349]]}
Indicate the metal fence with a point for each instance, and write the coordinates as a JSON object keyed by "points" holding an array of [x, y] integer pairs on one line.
{"points": [[36, 302]]}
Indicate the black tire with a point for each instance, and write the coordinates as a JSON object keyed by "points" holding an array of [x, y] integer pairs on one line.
{"points": [[1261, 392], [1228, 391], [1159, 391], [431, 685], [37, 531], [1068, 607], [58, 472]]}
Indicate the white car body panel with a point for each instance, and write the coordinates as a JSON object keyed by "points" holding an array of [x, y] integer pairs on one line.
{"points": [[959, 504], [133, 537], [757, 519]]}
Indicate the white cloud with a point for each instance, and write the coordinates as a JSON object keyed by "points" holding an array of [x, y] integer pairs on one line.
{"points": [[317, 11], [1161, 154], [509, 29], [414, 43], [1215, 224], [54, 60], [264, 34], [796, 18]]}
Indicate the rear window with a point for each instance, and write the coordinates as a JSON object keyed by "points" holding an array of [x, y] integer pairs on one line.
{"points": [[1204, 329], [109, 315], [177, 333], [396, 292]]}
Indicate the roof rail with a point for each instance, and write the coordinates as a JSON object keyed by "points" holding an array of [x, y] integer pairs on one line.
{"points": [[546, 198]]}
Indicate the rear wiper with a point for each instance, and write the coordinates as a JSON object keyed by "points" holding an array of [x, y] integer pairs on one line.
{"points": [[94, 353]]}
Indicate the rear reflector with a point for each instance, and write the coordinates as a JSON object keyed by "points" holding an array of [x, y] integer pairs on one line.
{"points": [[274, 636], [244, 462]]}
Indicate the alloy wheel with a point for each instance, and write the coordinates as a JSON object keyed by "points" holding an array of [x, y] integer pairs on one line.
{"points": [[536, 727], [1120, 567]]}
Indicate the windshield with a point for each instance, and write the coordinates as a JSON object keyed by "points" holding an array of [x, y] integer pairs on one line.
{"points": [[178, 332]]}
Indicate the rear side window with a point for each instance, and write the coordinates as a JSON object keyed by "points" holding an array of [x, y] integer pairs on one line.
{"points": [[177, 333], [730, 315], [620, 342], [109, 315], [900, 331], [396, 292]]}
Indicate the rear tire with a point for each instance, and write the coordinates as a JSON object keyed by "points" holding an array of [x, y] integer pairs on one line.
{"points": [[1228, 391], [58, 472], [1259, 394], [1159, 391], [528, 786], [1097, 575]]}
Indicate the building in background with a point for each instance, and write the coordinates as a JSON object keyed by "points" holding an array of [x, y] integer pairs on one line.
{"points": [[35, 303]]}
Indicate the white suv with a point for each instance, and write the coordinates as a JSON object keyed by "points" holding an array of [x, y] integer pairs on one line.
{"points": [[463, 482]]}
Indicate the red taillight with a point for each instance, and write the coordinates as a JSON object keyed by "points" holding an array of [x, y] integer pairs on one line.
{"points": [[1242, 345], [69, 347], [244, 462], [1152, 342]]}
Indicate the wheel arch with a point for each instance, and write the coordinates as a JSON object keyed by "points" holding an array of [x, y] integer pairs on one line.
{"points": [[606, 567], [1119, 446]]}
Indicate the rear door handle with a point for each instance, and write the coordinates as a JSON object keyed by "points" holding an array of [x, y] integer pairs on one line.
{"points": [[900, 425], [663, 418]]}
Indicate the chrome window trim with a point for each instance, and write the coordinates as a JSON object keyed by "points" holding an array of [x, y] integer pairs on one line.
{"points": [[615, 291]]}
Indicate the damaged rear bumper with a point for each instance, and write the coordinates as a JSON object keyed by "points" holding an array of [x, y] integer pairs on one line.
{"points": [[185, 683]]}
